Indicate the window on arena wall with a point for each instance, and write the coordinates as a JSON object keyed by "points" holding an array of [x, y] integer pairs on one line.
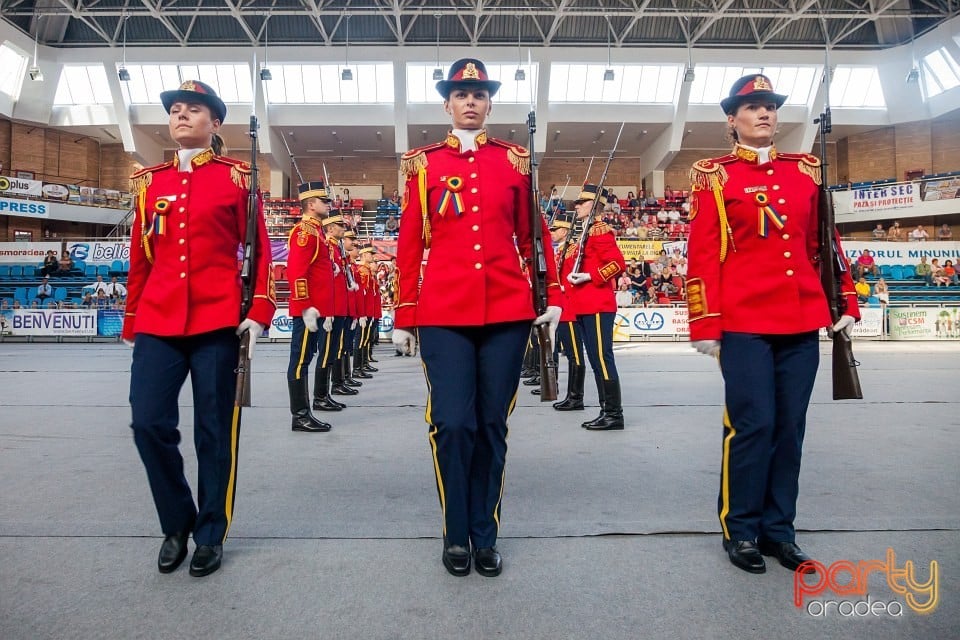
{"points": [[12, 67], [81, 85], [712, 82], [231, 81], [372, 83], [631, 84], [856, 88], [940, 72], [422, 88]]}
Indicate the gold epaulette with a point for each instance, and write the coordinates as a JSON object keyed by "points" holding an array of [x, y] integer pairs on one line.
{"points": [[416, 159], [807, 163], [599, 228], [518, 155], [140, 180], [240, 171], [709, 173]]}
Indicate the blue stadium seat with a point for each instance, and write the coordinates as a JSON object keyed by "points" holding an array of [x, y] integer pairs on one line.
{"points": [[79, 265], [90, 271], [16, 271], [126, 266], [103, 270], [116, 268], [60, 293], [896, 272], [909, 271], [4, 271], [885, 270]]}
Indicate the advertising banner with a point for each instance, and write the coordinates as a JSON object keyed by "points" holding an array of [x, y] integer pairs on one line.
{"points": [[903, 252], [633, 323], [928, 323], [20, 187], [109, 322], [11, 207], [894, 196], [870, 325], [97, 252], [639, 249], [26, 252], [386, 324], [54, 322], [946, 189], [281, 328]]}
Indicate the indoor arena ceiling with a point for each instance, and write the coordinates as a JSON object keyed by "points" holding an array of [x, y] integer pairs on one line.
{"points": [[782, 24]]}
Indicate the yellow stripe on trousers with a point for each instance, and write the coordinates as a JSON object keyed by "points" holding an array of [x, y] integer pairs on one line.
{"points": [[603, 364], [503, 474], [303, 351], [326, 351], [573, 342], [432, 436], [725, 473], [232, 482]]}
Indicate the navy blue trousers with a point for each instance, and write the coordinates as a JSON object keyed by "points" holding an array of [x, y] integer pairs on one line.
{"points": [[597, 331], [349, 336], [160, 367], [768, 380], [472, 377], [330, 345], [303, 346], [570, 339]]}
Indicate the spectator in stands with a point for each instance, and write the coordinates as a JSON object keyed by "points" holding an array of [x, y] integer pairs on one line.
{"points": [[391, 225], [878, 232], [919, 234], [87, 302], [50, 264], [881, 291], [663, 216], [631, 231], [613, 203], [863, 290], [624, 297], [65, 266], [895, 233], [102, 301], [98, 285], [866, 263], [115, 290], [632, 201], [44, 291], [944, 232], [949, 272], [395, 198], [642, 231], [663, 259], [936, 273], [651, 200], [925, 271]]}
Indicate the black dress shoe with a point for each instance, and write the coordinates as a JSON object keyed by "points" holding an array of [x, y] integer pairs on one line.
{"points": [[206, 559], [787, 553], [173, 551], [744, 554], [457, 560], [326, 404], [488, 562], [532, 382], [342, 390]]}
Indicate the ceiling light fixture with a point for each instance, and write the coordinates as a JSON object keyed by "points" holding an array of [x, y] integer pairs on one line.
{"points": [[35, 74], [347, 74], [265, 71], [520, 75], [122, 72], [608, 74], [438, 70]]}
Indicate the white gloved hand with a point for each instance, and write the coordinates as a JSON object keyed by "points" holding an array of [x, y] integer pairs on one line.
{"points": [[550, 317], [336, 269], [129, 343], [404, 341], [707, 347], [328, 324], [354, 287], [845, 324], [578, 278], [255, 329], [353, 325], [363, 321], [310, 316]]}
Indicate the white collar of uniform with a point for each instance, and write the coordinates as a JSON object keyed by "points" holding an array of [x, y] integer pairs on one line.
{"points": [[763, 153], [185, 156], [467, 138]]}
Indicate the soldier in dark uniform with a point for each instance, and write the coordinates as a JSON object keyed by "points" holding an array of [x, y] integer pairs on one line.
{"points": [[467, 198], [357, 306], [182, 315], [590, 295], [756, 303], [310, 274], [569, 333]]}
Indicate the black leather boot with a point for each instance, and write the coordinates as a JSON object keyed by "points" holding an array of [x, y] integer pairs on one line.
{"points": [[574, 399], [370, 357], [365, 360], [358, 371], [339, 388], [533, 382], [348, 379], [612, 417], [321, 392], [300, 408], [600, 395]]}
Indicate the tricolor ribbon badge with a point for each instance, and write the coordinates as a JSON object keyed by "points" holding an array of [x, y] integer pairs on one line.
{"points": [[767, 215], [160, 219], [451, 194]]}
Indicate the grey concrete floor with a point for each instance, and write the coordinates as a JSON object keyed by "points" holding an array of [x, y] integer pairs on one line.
{"points": [[605, 535]]}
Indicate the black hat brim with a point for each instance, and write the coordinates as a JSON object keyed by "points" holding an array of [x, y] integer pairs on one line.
{"points": [[732, 103], [217, 108], [446, 86]]}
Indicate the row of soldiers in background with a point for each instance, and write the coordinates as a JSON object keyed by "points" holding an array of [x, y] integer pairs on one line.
{"points": [[335, 307], [589, 309]]}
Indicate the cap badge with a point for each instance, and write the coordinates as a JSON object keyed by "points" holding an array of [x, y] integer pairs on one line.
{"points": [[470, 72]]}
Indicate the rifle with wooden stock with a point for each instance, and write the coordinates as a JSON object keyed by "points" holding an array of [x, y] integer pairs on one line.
{"points": [[247, 279], [538, 276], [846, 380], [585, 233]]}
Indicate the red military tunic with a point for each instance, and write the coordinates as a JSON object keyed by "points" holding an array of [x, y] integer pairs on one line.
{"points": [[187, 230], [341, 306], [565, 268], [309, 269], [604, 262], [358, 298], [367, 286], [467, 208], [753, 265]]}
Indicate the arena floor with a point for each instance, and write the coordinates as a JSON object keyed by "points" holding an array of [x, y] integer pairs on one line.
{"points": [[605, 535]]}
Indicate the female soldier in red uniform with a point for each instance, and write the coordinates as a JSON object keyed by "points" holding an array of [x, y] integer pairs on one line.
{"points": [[183, 308], [467, 200], [756, 302]]}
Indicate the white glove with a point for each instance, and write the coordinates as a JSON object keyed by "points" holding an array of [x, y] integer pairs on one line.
{"points": [[328, 324], [129, 343], [354, 287], [550, 317], [845, 324], [578, 278], [707, 347], [363, 321], [353, 325], [405, 341], [310, 316], [255, 329], [336, 269]]}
